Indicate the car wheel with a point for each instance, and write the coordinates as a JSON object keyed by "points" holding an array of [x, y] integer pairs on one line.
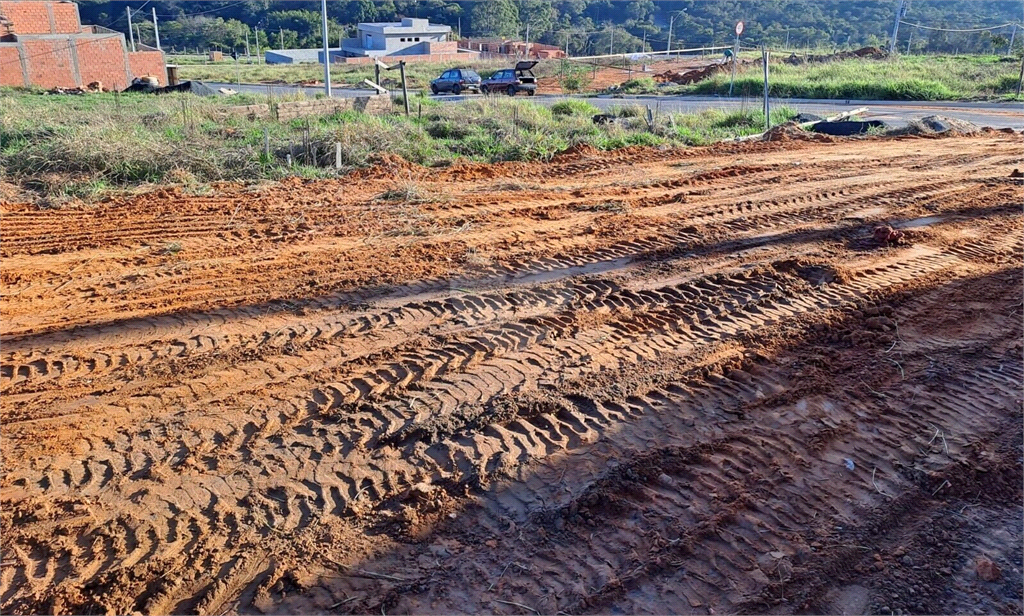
{"points": [[433, 88], [457, 90], [511, 90]]}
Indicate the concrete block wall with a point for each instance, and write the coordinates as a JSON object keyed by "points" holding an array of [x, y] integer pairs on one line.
{"points": [[422, 58], [299, 109]]}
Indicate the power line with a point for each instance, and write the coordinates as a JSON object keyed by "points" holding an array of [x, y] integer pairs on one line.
{"points": [[957, 29], [220, 8]]}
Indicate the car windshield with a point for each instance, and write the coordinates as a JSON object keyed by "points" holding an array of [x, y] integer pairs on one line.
{"points": [[471, 75]]}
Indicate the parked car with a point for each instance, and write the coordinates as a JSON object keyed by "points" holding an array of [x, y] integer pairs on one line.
{"points": [[512, 80], [456, 81]]}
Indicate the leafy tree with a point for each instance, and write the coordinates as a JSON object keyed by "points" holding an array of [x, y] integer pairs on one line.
{"points": [[495, 18]]}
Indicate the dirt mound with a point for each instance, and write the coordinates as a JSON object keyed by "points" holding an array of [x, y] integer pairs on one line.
{"points": [[936, 124], [579, 150], [387, 165], [873, 53], [691, 76], [790, 131]]}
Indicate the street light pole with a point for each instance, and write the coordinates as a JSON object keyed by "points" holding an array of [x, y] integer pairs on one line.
{"points": [[156, 30], [327, 54], [131, 33], [671, 21]]}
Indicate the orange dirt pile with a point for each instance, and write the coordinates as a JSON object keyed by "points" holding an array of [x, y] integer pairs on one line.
{"points": [[603, 77], [660, 381]]}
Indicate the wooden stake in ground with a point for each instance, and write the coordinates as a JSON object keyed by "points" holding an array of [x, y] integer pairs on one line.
{"points": [[405, 91]]}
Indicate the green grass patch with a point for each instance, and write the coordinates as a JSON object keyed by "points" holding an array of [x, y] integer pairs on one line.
{"points": [[928, 78], [574, 107], [65, 147]]}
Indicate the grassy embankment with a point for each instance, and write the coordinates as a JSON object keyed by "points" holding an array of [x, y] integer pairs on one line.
{"points": [[924, 78], [64, 147]]}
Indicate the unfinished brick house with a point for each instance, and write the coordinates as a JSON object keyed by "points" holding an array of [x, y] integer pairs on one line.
{"points": [[44, 44]]}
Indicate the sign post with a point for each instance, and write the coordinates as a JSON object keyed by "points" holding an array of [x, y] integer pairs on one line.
{"points": [[735, 54]]}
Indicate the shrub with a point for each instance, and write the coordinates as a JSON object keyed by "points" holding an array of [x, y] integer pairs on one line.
{"points": [[574, 107]]}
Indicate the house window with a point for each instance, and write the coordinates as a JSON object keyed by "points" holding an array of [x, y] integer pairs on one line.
{"points": [[417, 39], [403, 40]]}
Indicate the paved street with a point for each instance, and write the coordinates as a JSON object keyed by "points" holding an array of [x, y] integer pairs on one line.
{"points": [[894, 113]]}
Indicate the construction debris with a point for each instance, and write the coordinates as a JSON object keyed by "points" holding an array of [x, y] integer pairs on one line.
{"points": [[873, 53]]}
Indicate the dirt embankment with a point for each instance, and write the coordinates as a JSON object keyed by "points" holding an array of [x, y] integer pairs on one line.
{"points": [[669, 381]]}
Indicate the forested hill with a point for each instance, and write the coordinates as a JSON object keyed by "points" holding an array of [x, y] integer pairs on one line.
{"points": [[586, 26]]}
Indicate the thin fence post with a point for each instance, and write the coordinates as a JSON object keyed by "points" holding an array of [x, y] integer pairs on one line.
{"points": [[266, 143], [337, 155]]}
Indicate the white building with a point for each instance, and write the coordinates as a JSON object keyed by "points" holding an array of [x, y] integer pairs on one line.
{"points": [[410, 37]]}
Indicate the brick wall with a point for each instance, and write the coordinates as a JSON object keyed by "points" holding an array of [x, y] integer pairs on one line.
{"points": [[10, 65], [76, 59], [65, 17], [50, 62], [142, 63], [445, 47], [102, 60], [28, 17]]}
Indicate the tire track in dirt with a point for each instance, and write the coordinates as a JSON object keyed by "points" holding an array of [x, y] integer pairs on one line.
{"points": [[748, 220], [148, 457], [293, 503], [698, 518]]}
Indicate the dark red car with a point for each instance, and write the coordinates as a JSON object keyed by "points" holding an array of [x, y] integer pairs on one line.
{"points": [[512, 80]]}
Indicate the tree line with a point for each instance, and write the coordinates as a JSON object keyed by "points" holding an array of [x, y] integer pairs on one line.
{"points": [[583, 27]]}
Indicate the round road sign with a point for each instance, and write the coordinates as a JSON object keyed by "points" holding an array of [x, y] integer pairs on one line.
{"points": [[739, 28]]}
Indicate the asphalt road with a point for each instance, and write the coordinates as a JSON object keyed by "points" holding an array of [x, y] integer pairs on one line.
{"points": [[894, 113]]}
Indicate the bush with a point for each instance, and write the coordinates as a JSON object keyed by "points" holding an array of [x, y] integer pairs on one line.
{"points": [[574, 77], [574, 107], [640, 85]]}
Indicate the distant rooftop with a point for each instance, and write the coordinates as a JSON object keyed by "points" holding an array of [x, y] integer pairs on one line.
{"points": [[407, 25]]}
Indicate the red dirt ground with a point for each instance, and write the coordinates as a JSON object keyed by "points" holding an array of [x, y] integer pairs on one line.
{"points": [[648, 380]]}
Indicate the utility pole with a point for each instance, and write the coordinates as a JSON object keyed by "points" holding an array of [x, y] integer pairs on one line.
{"points": [[611, 40], [258, 59], [156, 30], [671, 22], [900, 11], [247, 42], [527, 40], [460, 28], [281, 32], [567, 44], [131, 33], [767, 111], [1013, 35], [909, 41], [644, 50], [1020, 81], [327, 53], [735, 57], [138, 33]]}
